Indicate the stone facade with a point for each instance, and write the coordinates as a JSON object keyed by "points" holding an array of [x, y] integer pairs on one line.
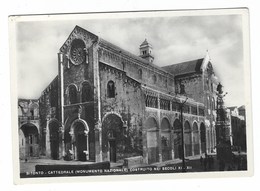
{"points": [[196, 79], [29, 128], [238, 127], [107, 104]]}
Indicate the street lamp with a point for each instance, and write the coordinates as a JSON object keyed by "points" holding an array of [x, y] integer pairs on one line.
{"points": [[181, 105]]}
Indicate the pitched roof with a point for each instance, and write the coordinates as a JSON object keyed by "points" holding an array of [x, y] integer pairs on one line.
{"points": [[144, 43], [133, 56], [118, 49], [183, 68]]}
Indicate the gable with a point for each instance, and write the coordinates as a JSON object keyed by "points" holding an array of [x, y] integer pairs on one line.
{"points": [[78, 33]]}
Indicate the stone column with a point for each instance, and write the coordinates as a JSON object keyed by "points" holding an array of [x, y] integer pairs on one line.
{"points": [[62, 141], [199, 140], [48, 146], [98, 146], [87, 151], [73, 147], [172, 142], [61, 63], [192, 141], [159, 134]]}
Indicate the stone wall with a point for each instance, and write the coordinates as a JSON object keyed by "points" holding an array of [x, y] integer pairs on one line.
{"points": [[48, 109], [127, 105], [202, 87], [29, 128]]}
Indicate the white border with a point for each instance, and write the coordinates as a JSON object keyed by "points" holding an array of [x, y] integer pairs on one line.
{"points": [[15, 19], [13, 7]]}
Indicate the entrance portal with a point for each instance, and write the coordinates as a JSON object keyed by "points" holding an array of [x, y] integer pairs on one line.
{"points": [[80, 141], [113, 139], [54, 139]]}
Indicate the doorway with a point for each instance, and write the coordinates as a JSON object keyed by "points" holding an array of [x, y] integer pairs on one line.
{"points": [[81, 141], [81, 146], [112, 150], [54, 139]]}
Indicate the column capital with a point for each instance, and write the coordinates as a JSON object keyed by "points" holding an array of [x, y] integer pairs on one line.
{"points": [[98, 126]]}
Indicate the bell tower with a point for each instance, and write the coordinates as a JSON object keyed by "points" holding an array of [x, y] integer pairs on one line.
{"points": [[146, 51]]}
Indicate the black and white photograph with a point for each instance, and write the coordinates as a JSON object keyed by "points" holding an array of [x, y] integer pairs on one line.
{"points": [[131, 93]]}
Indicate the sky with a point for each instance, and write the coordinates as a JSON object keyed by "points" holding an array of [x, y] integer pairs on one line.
{"points": [[174, 39]]}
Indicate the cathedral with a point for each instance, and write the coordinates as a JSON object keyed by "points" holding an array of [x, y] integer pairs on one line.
{"points": [[107, 104]]}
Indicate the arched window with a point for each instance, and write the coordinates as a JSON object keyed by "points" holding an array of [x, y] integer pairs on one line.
{"points": [[86, 93], [154, 79], [166, 83], [140, 74], [72, 94], [110, 89], [182, 88]]}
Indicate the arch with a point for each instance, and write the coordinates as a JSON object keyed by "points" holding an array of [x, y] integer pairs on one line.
{"points": [[79, 136], [177, 139], [166, 139], [203, 137], [152, 139], [195, 138], [187, 139], [113, 139], [72, 94], [79, 121], [54, 137], [31, 140], [110, 89], [86, 92], [28, 128]]}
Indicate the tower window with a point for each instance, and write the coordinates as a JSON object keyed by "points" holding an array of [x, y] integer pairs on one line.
{"points": [[110, 89], [144, 52]]}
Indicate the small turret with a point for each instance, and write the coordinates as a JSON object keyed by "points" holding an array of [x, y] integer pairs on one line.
{"points": [[146, 51]]}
